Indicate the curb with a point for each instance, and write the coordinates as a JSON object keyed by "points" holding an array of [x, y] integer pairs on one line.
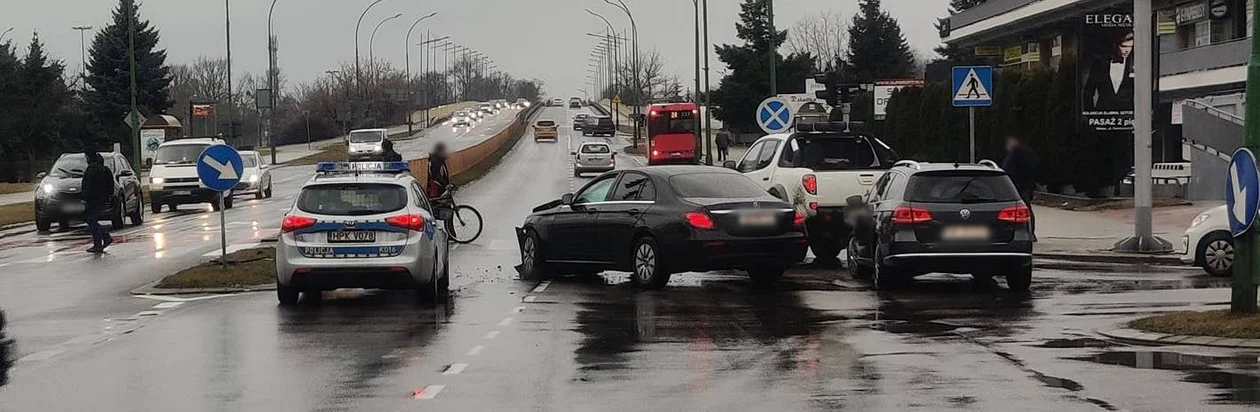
{"points": [[1150, 338], [1108, 257], [151, 289]]}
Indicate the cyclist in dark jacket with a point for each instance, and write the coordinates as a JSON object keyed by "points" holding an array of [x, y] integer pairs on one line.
{"points": [[98, 189], [387, 152], [439, 176]]}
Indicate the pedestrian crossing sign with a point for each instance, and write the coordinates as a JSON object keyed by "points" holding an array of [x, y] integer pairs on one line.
{"points": [[973, 86]]}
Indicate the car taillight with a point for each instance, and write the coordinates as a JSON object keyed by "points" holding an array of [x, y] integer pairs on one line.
{"points": [[291, 223], [410, 222], [1015, 214], [700, 220], [911, 215], [798, 220], [811, 183], [813, 205]]}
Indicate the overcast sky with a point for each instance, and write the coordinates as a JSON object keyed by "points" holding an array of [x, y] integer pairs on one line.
{"points": [[528, 38]]}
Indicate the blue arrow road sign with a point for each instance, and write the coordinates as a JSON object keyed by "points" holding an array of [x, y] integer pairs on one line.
{"points": [[774, 115], [219, 167], [973, 86], [1242, 191]]}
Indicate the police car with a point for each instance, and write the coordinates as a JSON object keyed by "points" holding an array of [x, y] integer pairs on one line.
{"points": [[361, 225]]}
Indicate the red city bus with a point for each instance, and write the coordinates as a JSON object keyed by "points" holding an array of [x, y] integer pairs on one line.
{"points": [[671, 130]]}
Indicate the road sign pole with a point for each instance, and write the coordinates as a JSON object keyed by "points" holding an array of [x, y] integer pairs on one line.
{"points": [[223, 229], [971, 114], [1246, 248]]}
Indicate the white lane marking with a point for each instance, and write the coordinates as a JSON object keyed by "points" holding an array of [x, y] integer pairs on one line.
{"points": [[167, 305], [455, 246], [455, 369], [429, 392], [39, 356], [491, 335], [163, 298], [506, 321], [542, 286], [530, 298], [518, 309], [475, 350]]}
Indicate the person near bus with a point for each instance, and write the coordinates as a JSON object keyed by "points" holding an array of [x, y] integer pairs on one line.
{"points": [[723, 142]]}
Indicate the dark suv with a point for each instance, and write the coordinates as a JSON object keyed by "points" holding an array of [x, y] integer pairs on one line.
{"points": [[954, 218], [599, 125], [59, 196]]}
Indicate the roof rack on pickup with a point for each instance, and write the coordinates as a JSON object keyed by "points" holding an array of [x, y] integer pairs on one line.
{"points": [[907, 163], [828, 126], [991, 164]]}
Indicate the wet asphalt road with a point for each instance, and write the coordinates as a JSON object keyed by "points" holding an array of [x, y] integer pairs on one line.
{"points": [[820, 341]]}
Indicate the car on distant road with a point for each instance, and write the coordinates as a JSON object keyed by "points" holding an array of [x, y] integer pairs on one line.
{"points": [[365, 144], [59, 194], [557, 102], [1208, 243], [593, 157], [522, 103], [657, 221], [461, 119], [255, 176], [924, 218], [173, 178], [361, 225], [575, 103], [579, 120], [487, 109], [546, 129], [599, 126]]}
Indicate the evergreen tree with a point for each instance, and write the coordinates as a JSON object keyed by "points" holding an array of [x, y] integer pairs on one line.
{"points": [[747, 84], [109, 74], [10, 100], [953, 52], [877, 48], [7, 353], [44, 93]]}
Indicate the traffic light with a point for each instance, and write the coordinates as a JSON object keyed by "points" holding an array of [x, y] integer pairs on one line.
{"points": [[830, 81]]}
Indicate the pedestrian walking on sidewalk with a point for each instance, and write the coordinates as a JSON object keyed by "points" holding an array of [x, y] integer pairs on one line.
{"points": [[1021, 165], [723, 142], [98, 189]]}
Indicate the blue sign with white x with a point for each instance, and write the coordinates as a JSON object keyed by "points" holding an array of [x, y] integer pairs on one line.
{"points": [[219, 167], [774, 115]]}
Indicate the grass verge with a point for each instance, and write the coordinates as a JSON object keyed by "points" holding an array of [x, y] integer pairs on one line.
{"points": [[17, 213], [334, 153], [1218, 323], [8, 188], [250, 267], [631, 150]]}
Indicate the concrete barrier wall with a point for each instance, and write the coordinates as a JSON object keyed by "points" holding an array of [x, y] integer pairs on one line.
{"points": [[470, 157]]}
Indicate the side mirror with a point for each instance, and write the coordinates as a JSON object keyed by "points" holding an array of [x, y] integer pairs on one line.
{"points": [[729, 164], [126, 173], [854, 201], [567, 199], [41, 175]]}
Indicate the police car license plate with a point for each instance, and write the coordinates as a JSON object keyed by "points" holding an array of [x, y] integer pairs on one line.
{"points": [[964, 232], [351, 236], [756, 219], [181, 193]]}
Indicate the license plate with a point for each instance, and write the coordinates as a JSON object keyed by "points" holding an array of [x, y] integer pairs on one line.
{"points": [[594, 159], [351, 236], [182, 193], [756, 219], [72, 208], [676, 154], [966, 233]]}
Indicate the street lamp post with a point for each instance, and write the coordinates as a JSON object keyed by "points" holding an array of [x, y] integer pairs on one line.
{"points": [[708, 101], [82, 50], [774, 61], [272, 83], [638, 83], [372, 39], [695, 98], [358, 74], [427, 62], [227, 25], [407, 44]]}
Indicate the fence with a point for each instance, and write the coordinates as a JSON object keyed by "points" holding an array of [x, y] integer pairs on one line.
{"points": [[472, 156]]}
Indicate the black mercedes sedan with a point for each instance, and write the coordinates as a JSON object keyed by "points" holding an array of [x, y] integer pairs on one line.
{"points": [[661, 220]]}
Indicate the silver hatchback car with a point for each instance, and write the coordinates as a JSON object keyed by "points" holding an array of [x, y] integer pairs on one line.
{"points": [[594, 157], [361, 225]]}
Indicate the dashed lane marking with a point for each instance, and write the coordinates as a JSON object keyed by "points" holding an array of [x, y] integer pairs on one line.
{"points": [[542, 286], [506, 321], [491, 335], [167, 305], [530, 299], [455, 369], [164, 298], [428, 392], [475, 350]]}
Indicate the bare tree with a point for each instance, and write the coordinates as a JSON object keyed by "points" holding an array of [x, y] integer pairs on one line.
{"points": [[651, 74], [822, 35]]}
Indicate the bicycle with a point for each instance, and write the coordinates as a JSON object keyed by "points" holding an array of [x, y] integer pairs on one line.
{"points": [[464, 224]]}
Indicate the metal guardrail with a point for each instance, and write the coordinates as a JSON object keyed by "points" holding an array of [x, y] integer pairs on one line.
{"points": [[1199, 104]]}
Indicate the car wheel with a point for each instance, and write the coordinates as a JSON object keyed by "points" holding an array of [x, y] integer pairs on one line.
{"points": [[227, 199], [214, 205], [645, 260], [63, 225], [172, 206], [118, 219], [1019, 280], [156, 208], [137, 218], [1216, 251], [268, 194], [766, 276], [855, 268], [259, 195], [533, 257], [885, 277], [43, 225], [288, 295]]}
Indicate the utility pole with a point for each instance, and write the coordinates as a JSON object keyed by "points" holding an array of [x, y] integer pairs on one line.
{"points": [[708, 107], [774, 78], [227, 25], [1247, 263], [407, 53], [273, 84], [82, 51], [695, 92], [135, 111]]}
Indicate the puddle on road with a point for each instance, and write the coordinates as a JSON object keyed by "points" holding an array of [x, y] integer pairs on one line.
{"points": [[1237, 378], [1076, 343]]}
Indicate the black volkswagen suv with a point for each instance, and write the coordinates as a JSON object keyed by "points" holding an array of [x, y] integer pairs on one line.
{"points": [[922, 218]]}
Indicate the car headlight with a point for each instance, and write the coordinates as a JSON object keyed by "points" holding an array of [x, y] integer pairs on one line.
{"points": [[1198, 220], [253, 178], [157, 180], [48, 189]]}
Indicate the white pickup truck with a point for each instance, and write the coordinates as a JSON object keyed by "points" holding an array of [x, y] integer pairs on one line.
{"points": [[817, 171]]}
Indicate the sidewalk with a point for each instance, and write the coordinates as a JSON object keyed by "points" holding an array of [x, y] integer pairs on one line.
{"points": [[1091, 235]]}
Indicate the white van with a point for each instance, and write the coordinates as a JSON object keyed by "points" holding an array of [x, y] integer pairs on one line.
{"points": [[173, 178], [365, 144]]}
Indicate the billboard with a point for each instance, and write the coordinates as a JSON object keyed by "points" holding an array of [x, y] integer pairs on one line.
{"points": [[884, 90], [1107, 81]]}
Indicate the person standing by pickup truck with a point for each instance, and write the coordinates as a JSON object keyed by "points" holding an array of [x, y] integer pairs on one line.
{"points": [[1021, 165]]}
